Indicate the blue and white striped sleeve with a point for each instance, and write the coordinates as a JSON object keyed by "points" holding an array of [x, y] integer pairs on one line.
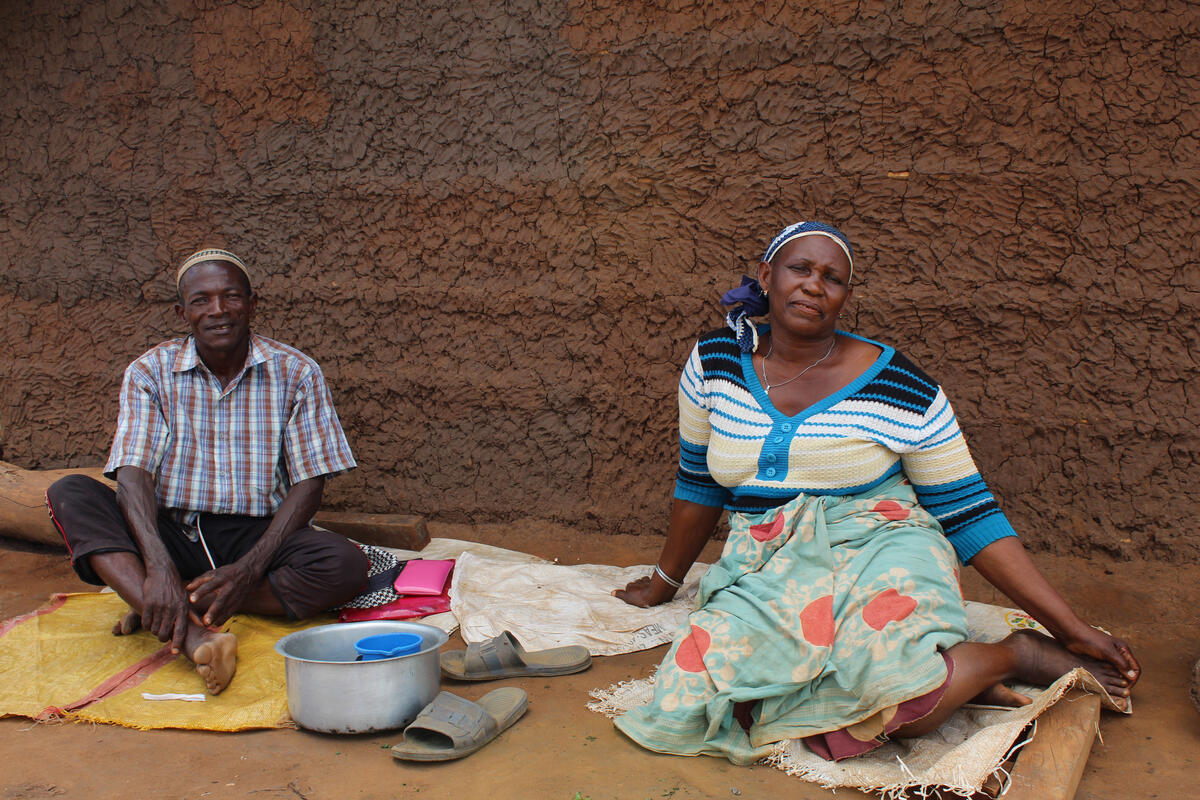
{"points": [[949, 486], [693, 482]]}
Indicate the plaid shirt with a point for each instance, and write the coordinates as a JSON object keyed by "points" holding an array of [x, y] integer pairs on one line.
{"points": [[235, 450]]}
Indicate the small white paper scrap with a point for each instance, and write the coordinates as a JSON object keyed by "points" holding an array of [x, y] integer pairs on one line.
{"points": [[191, 698]]}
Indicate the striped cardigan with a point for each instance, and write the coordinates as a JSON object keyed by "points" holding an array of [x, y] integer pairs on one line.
{"points": [[739, 452]]}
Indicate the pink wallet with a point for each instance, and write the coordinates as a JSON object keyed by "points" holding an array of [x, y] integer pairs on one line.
{"points": [[424, 576]]}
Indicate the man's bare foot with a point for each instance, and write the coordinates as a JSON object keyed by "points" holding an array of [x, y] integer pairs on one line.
{"points": [[130, 623], [1042, 660], [215, 659], [1001, 695]]}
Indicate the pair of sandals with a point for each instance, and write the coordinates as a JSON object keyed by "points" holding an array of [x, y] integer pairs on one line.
{"points": [[452, 727]]}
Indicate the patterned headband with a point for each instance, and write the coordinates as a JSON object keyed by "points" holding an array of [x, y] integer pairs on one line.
{"points": [[211, 254], [801, 229], [748, 300]]}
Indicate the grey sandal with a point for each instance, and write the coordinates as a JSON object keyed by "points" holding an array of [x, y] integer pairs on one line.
{"points": [[503, 657], [452, 727]]}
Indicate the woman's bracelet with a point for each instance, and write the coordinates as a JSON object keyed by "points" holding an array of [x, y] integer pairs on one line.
{"points": [[667, 578]]}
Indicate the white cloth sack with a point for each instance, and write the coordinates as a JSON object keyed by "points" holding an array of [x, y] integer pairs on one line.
{"points": [[548, 605]]}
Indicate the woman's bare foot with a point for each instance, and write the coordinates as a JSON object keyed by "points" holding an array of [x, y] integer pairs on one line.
{"points": [[215, 659], [1001, 695], [130, 623], [1041, 660]]}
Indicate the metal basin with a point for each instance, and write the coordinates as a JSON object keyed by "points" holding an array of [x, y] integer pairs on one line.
{"points": [[328, 690]]}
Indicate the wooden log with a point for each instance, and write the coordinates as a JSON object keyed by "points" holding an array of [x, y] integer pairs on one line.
{"points": [[1049, 767], [23, 513], [1196, 685], [402, 531]]}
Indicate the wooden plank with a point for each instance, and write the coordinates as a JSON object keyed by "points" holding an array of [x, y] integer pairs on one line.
{"points": [[1049, 767], [402, 531]]}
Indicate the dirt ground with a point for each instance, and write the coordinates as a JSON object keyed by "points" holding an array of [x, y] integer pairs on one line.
{"points": [[562, 751]]}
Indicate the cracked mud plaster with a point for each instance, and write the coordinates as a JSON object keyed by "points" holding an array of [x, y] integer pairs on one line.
{"points": [[499, 228]]}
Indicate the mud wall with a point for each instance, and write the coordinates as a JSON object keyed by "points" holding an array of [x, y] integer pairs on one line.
{"points": [[500, 226]]}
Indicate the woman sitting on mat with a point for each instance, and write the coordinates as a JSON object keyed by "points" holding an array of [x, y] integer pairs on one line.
{"points": [[835, 612]]}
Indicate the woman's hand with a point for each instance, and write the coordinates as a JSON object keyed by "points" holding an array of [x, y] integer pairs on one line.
{"points": [[646, 592], [691, 526], [1007, 566], [1099, 645]]}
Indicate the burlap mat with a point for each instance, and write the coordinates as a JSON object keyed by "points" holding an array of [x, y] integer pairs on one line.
{"points": [[958, 758]]}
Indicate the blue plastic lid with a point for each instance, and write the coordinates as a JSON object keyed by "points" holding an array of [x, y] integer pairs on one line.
{"points": [[387, 645]]}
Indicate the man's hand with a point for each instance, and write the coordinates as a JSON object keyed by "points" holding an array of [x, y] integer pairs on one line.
{"points": [[221, 592], [165, 608]]}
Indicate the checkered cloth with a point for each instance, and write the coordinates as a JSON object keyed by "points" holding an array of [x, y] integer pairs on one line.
{"points": [[381, 579]]}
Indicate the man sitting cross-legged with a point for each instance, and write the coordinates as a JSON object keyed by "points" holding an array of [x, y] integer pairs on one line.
{"points": [[223, 444]]}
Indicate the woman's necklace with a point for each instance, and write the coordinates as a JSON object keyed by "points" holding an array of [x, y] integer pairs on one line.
{"points": [[771, 348]]}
